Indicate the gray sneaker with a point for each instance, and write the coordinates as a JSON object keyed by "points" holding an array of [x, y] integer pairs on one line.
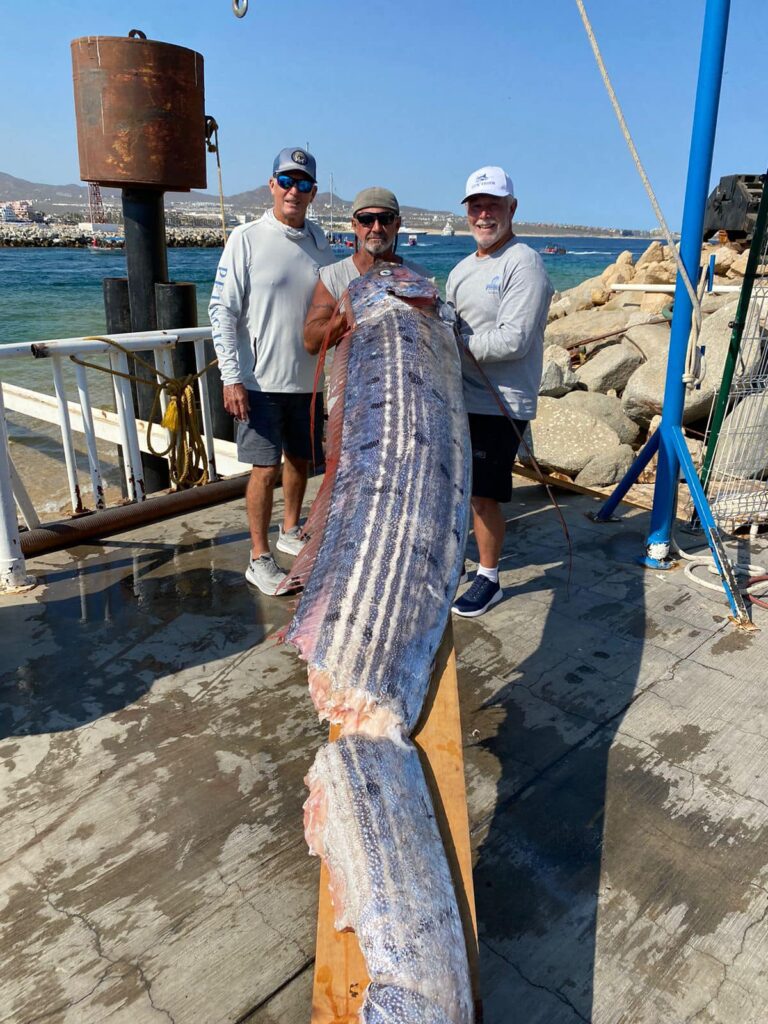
{"points": [[264, 572], [290, 541]]}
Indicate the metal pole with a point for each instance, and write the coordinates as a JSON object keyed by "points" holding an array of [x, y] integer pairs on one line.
{"points": [[67, 438], [146, 259], [13, 572], [699, 167], [697, 188]]}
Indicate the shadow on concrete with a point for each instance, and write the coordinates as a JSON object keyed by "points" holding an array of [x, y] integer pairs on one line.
{"points": [[561, 671], [100, 631]]}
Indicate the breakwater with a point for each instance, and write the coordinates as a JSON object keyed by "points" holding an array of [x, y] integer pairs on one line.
{"points": [[46, 236]]}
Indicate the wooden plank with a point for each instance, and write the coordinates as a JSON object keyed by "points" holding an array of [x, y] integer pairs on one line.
{"points": [[340, 975]]}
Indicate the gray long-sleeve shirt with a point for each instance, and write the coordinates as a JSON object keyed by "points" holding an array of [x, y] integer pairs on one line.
{"points": [[502, 301], [264, 283]]}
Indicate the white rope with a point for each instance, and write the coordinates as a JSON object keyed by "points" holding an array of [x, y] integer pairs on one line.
{"points": [[707, 561], [638, 164], [695, 364]]}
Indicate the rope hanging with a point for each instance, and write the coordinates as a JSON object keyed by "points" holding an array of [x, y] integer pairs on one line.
{"points": [[185, 451], [212, 142], [639, 165]]}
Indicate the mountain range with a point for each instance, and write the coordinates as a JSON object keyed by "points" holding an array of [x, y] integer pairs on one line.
{"points": [[56, 198], [49, 198]]}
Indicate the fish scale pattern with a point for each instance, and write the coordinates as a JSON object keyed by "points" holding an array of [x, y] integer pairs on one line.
{"points": [[377, 600], [388, 530]]}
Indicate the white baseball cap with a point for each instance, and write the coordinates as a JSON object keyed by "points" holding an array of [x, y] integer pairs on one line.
{"points": [[489, 181]]}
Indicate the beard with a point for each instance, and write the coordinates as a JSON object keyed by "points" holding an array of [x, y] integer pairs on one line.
{"points": [[489, 237], [376, 246]]}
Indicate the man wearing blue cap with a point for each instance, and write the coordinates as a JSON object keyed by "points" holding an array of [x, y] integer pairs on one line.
{"points": [[264, 283], [501, 294]]}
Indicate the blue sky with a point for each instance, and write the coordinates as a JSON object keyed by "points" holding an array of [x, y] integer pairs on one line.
{"points": [[415, 96]]}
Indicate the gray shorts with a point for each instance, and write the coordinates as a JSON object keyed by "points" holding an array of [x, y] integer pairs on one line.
{"points": [[280, 422]]}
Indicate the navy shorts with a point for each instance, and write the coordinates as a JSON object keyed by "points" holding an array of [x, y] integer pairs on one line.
{"points": [[494, 446], [280, 422]]}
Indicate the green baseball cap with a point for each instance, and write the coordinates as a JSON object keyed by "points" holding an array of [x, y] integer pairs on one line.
{"points": [[375, 196]]}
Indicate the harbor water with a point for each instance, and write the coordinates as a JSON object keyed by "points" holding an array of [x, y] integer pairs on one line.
{"points": [[55, 293]]}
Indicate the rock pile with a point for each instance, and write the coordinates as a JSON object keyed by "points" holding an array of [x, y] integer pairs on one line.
{"points": [[605, 364], [44, 236]]}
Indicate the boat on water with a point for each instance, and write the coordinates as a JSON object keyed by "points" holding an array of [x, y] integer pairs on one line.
{"points": [[106, 243], [412, 240], [553, 250], [448, 229]]}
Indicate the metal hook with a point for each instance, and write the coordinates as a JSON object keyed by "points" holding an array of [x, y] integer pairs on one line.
{"points": [[240, 7], [136, 33]]}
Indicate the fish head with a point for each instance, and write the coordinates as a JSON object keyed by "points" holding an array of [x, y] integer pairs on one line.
{"points": [[384, 279]]}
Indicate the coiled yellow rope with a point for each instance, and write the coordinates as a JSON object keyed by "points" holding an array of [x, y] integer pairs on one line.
{"points": [[185, 451]]}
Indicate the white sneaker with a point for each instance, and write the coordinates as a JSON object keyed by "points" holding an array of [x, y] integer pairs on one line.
{"points": [[264, 572], [290, 541]]}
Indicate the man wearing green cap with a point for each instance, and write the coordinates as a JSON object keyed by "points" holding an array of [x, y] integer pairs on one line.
{"points": [[375, 221]]}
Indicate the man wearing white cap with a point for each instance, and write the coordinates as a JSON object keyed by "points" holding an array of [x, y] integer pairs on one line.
{"points": [[264, 281], [501, 294]]}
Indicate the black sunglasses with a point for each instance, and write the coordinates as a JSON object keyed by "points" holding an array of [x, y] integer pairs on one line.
{"points": [[369, 219], [285, 181]]}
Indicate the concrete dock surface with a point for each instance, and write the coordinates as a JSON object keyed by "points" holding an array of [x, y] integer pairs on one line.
{"points": [[155, 739]]}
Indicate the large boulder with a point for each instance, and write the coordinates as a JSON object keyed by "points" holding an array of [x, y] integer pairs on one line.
{"points": [[580, 296], [653, 254], [644, 394], [610, 367], [607, 468], [654, 302], [564, 438], [607, 408], [578, 328], [747, 422], [557, 376], [649, 339], [656, 273]]}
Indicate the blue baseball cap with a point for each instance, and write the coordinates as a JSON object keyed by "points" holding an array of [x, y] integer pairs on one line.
{"points": [[294, 159]]}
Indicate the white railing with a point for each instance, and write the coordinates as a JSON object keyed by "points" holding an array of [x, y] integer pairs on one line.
{"points": [[121, 427]]}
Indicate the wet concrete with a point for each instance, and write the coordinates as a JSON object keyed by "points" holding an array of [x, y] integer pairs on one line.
{"points": [[154, 741]]}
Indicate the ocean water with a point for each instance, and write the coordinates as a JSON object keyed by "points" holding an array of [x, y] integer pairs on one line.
{"points": [[57, 293]]}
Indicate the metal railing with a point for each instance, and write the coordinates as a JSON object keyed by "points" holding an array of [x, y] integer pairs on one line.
{"points": [[121, 427]]}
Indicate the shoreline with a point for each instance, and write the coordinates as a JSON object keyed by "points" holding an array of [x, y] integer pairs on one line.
{"points": [[68, 237]]}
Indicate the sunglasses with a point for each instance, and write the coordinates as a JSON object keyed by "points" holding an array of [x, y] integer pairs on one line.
{"points": [[369, 219], [285, 181]]}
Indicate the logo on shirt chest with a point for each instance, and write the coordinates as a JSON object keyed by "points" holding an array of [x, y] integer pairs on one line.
{"points": [[494, 285]]}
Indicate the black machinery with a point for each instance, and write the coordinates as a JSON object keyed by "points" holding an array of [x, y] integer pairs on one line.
{"points": [[732, 207]]}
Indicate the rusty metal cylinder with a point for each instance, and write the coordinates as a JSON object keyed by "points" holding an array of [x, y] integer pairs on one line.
{"points": [[140, 108]]}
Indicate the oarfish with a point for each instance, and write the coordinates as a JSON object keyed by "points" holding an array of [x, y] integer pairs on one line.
{"points": [[370, 817], [389, 524]]}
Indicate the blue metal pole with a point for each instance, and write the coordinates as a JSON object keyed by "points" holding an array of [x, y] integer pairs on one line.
{"points": [[697, 187]]}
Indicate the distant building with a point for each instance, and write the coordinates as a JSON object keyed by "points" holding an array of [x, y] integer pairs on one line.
{"points": [[17, 210]]}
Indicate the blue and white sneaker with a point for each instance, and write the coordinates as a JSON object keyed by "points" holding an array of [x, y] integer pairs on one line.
{"points": [[482, 595]]}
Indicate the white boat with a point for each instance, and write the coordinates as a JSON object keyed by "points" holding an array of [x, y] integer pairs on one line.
{"points": [[412, 240], [448, 229]]}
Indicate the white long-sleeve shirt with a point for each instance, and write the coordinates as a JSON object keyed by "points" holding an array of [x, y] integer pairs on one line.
{"points": [[502, 301], [264, 283]]}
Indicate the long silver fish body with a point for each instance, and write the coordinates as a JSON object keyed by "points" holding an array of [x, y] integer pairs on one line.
{"points": [[369, 815], [389, 525]]}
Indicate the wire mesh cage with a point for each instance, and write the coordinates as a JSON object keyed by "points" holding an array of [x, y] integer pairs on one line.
{"points": [[735, 461]]}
